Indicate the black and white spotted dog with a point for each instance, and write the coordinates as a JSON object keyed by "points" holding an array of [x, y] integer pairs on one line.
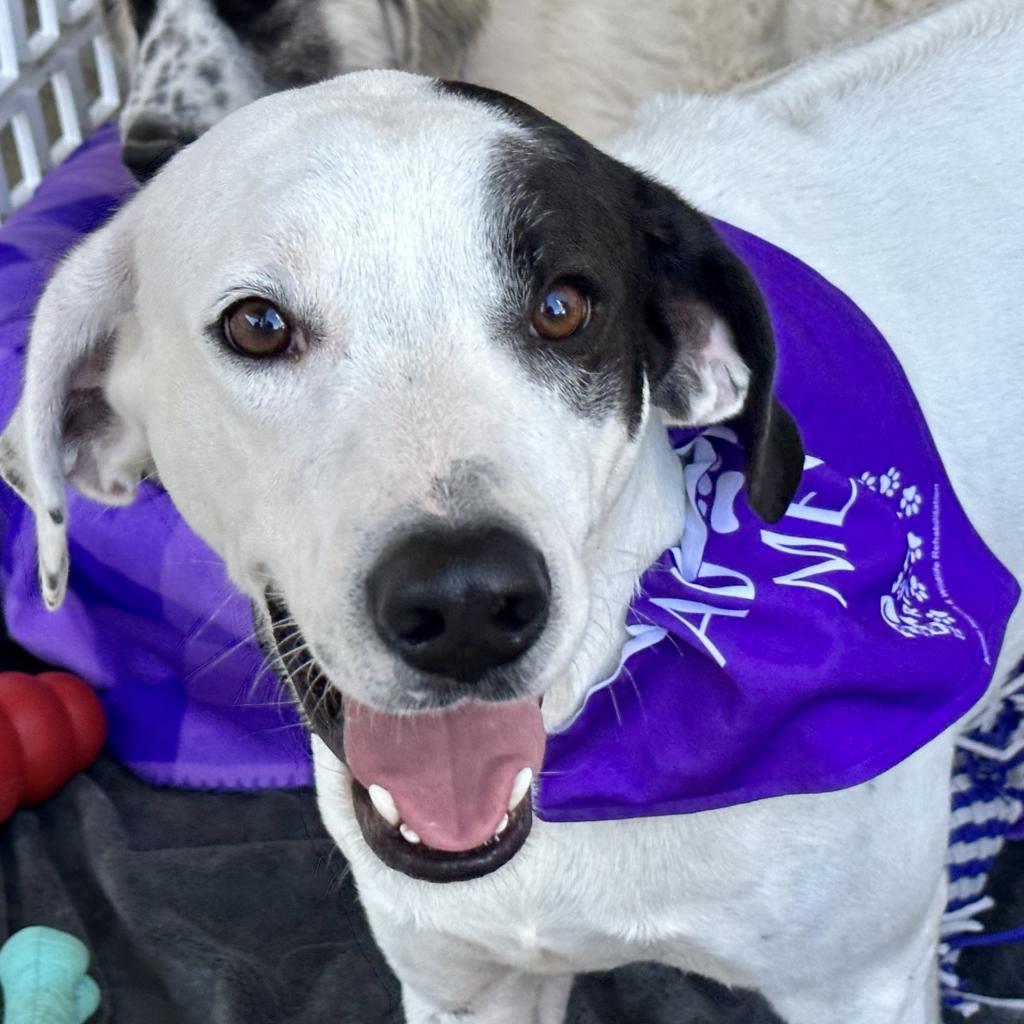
{"points": [[194, 61]]}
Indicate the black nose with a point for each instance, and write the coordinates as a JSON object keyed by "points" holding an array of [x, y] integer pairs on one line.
{"points": [[149, 144], [456, 603]]}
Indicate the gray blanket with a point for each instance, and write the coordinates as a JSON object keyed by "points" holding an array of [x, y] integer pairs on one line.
{"points": [[234, 909]]}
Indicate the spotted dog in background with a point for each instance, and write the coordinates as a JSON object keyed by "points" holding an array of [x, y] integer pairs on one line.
{"points": [[194, 61]]}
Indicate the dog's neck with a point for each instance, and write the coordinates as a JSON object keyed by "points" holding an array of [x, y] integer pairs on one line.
{"points": [[645, 518]]}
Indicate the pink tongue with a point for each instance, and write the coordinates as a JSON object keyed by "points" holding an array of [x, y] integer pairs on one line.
{"points": [[450, 772]]}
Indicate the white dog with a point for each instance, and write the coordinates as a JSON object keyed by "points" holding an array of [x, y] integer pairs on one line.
{"points": [[396, 350]]}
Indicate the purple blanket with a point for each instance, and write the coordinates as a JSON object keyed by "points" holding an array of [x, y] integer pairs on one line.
{"points": [[805, 656]]}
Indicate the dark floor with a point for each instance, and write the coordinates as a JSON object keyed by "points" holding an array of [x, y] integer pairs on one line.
{"points": [[235, 909]]}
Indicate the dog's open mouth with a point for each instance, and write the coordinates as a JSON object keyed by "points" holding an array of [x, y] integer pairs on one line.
{"points": [[442, 796]]}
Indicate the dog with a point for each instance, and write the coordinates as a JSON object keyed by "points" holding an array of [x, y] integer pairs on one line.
{"points": [[414, 392], [193, 61]]}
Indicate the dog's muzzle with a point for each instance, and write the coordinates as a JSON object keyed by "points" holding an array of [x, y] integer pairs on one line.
{"points": [[441, 796]]}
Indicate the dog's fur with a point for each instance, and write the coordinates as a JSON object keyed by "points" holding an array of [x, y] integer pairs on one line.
{"points": [[584, 62], [894, 169]]}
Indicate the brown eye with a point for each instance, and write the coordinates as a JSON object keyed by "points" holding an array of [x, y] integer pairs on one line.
{"points": [[562, 311], [255, 328]]}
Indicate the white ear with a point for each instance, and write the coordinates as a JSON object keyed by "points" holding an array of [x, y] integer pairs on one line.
{"points": [[64, 429], [709, 380]]}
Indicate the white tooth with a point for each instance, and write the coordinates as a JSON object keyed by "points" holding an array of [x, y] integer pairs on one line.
{"points": [[385, 804], [520, 788], [502, 825], [407, 833]]}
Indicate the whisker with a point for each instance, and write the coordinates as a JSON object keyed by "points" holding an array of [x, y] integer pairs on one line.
{"points": [[194, 632], [220, 657], [636, 690]]}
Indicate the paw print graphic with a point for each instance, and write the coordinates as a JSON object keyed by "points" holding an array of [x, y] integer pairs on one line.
{"points": [[914, 548], [869, 480], [889, 482], [910, 501], [918, 591], [940, 617]]}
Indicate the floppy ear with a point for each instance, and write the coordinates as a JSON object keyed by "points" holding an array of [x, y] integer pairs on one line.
{"points": [[715, 348], [64, 429]]}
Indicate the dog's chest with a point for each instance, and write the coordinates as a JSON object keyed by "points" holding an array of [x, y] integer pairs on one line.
{"points": [[549, 936], [580, 897]]}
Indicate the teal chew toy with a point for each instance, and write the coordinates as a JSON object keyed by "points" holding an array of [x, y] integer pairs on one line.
{"points": [[42, 974]]}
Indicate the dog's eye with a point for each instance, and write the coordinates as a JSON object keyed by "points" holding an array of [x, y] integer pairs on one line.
{"points": [[561, 312], [256, 328]]}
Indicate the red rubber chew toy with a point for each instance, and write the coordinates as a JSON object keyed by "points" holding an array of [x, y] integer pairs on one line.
{"points": [[51, 726]]}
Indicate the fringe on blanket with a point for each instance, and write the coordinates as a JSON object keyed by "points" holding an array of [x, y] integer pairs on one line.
{"points": [[988, 809]]}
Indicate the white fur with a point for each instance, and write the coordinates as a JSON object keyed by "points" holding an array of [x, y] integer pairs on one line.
{"points": [[585, 62], [588, 63], [893, 169]]}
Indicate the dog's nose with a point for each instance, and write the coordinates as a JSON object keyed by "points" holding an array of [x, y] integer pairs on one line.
{"points": [[456, 603], [149, 144]]}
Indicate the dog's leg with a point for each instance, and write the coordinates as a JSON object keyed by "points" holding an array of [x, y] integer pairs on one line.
{"points": [[445, 981], [830, 905], [899, 986], [512, 999]]}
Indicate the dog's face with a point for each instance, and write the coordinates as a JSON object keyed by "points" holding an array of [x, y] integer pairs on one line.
{"points": [[393, 346], [194, 61]]}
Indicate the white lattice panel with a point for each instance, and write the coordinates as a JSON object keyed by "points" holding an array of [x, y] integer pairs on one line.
{"points": [[58, 81]]}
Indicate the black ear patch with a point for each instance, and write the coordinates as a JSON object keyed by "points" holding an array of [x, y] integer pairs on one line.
{"points": [[674, 307], [692, 266], [776, 462]]}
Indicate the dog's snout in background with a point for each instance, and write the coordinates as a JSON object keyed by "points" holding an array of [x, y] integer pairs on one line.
{"points": [[149, 143], [192, 62], [458, 603]]}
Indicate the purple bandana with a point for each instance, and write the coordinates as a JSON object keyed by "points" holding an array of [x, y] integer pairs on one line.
{"points": [[804, 656]]}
